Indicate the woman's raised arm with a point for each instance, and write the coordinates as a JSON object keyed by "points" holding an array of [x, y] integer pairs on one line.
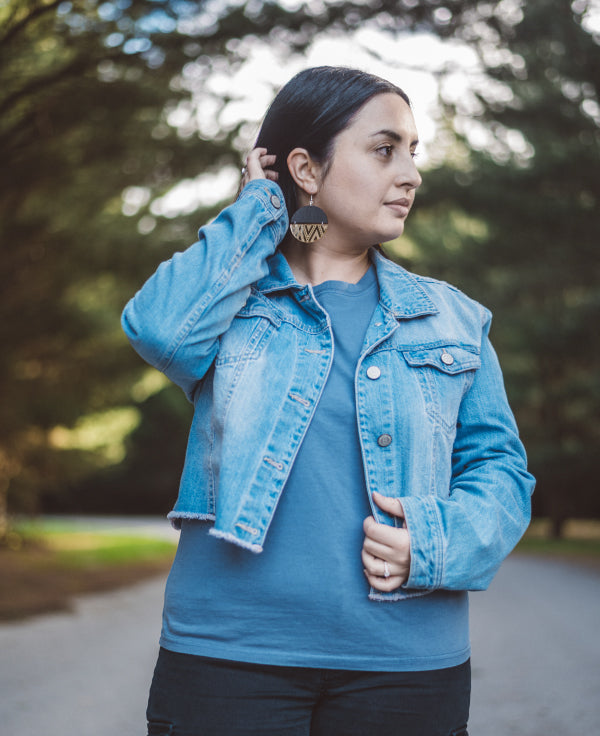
{"points": [[175, 320]]}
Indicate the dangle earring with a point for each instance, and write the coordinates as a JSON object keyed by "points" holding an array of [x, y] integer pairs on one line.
{"points": [[308, 223]]}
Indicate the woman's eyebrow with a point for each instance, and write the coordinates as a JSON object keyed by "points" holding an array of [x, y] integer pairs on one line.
{"points": [[393, 135]]}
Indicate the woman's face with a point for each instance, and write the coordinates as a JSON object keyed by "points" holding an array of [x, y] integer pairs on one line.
{"points": [[370, 186]]}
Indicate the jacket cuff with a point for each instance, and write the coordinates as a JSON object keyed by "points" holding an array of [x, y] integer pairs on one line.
{"points": [[426, 543], [270, 195]]}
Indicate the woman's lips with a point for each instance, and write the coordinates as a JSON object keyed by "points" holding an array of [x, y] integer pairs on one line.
{"points": [[400, 206]]}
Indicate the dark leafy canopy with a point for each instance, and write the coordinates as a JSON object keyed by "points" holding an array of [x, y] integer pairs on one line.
{"points": [[86, 92]]}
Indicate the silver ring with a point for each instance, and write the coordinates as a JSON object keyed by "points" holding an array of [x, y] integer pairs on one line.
{"points": [[244, 171], [386, 569]]}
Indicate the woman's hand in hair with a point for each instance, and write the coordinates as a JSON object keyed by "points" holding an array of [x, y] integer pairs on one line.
{"points": [[386, 549], [257, 166]]}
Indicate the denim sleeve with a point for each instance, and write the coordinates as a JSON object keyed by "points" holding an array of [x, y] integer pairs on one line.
{"points": [[459, 541], [175, 320]]}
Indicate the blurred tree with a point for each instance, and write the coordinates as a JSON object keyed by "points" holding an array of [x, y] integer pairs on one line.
{"points": [[512, 217], [81, 99], [99, 117]]}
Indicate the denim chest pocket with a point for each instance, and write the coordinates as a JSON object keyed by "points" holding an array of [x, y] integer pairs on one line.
{"points": [[444, 374], [244, 340]]}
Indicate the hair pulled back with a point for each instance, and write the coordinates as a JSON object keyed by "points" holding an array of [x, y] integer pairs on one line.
{"points": [[310, 111]]}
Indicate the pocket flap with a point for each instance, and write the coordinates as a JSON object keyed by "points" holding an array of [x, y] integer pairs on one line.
{"points": [[256, 309], [446, 358]]}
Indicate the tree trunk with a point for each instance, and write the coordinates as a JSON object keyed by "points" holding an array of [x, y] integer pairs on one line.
{"points": [[557, 522]]}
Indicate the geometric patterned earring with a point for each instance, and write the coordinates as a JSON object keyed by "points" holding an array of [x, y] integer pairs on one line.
{"points": [[308, 223]]}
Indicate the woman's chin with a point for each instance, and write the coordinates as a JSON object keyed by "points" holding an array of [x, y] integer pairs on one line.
{"points": [[392, 233]]}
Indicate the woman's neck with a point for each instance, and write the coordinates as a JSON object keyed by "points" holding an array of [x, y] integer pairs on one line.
{"points": [[315, 263]]}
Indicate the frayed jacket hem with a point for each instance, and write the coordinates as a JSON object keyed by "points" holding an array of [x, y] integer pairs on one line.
{"points": [[396, 595], [229, 537], [176, 517]]}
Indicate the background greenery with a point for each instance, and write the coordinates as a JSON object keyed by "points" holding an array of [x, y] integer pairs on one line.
{"points": [[45, 566], [98, 119]]}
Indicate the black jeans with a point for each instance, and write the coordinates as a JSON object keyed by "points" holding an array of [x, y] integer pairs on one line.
{"points": [[198, 696]]}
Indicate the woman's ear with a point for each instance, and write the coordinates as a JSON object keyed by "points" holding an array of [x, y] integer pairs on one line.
{"points": [[304, 170]]}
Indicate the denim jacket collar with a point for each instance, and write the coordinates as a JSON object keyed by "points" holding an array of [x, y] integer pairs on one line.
{"points": [[399, 290]]}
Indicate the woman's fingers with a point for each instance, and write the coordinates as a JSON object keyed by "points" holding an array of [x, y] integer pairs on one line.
{"points": [[390, 505], [376, 566], [380, 551], [381, 574], [385, 554], [257, 166], [384, 585], [382, 533]]}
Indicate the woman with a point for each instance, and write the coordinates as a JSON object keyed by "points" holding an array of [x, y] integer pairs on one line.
{"points": [[350, 425]]}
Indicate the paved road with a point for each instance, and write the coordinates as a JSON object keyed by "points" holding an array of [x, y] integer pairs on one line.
{"points": [[536, 655], [536, 651]]}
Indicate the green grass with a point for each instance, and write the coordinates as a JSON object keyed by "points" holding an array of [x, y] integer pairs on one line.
{"points": [[580, 540], [569, 547], [87, 549], [44, 566], [83, 548]]}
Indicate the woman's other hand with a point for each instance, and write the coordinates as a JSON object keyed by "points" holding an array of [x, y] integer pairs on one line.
{"points": [[386, 549], [257, 166]]}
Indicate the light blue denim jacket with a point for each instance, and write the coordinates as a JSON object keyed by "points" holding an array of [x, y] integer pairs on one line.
{"points": [[227, 321]]}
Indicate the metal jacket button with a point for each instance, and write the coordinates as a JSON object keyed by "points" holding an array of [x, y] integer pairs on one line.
{"points": [[384, 440], [447, 359], [373, 372], [275, 201]]}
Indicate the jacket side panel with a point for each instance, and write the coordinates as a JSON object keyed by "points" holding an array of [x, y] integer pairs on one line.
{"points": [[265, 407], [257, 402], [197, 496]]}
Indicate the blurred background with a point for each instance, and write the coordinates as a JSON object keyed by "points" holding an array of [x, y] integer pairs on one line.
{"points": [[123, 126]]}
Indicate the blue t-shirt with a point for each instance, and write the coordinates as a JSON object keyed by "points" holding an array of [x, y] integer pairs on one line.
{"points": [[303, 600]]}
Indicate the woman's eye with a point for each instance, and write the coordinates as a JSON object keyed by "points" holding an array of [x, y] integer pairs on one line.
{"points": [[385, 150]]}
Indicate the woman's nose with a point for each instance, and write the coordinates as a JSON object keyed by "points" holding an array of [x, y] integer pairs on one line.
{"points": [[408, 175]]}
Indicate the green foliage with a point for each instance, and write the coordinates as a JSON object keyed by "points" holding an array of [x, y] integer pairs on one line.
{"points": [[98, 119], [75, 548], [98, 99], [86, 89], [534, 259]]}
